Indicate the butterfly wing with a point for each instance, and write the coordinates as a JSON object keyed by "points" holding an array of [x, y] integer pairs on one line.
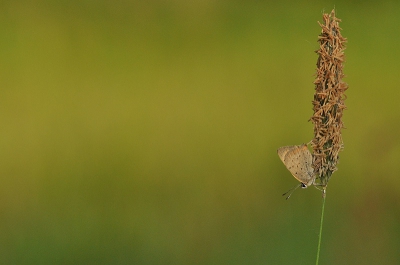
{"points": [[298, 160], [283, 151]]}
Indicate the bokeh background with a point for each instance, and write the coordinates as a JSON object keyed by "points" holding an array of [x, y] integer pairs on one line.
{"points": [[145, 132]]}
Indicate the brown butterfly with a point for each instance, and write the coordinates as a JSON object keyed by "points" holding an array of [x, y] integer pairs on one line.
{"points": [[298, 160]]}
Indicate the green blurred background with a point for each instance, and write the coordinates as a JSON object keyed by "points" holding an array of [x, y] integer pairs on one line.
{"points": [[145, 132]]}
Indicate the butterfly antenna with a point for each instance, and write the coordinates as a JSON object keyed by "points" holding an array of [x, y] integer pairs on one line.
{"points": [[291, 190]]}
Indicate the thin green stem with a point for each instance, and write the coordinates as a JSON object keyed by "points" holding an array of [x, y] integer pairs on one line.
{"points": [[320, 226]]}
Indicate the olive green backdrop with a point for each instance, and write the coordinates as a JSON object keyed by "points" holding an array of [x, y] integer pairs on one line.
{"points": [[145, 132]]}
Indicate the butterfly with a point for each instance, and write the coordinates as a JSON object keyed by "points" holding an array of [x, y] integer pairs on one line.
{"points": [[298, 160]]}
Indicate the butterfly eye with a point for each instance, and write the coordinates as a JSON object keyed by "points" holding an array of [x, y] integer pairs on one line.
{"points": [[303, 185]]}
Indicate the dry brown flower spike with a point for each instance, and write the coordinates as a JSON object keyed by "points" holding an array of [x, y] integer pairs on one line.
{"points": [[328, 99]]}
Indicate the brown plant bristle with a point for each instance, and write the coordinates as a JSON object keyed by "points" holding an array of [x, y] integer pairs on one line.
{"points": [[328, 99]]}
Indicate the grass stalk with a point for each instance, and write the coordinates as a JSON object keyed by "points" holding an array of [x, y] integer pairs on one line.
{"points": [[328, 105], [320, 228]]}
